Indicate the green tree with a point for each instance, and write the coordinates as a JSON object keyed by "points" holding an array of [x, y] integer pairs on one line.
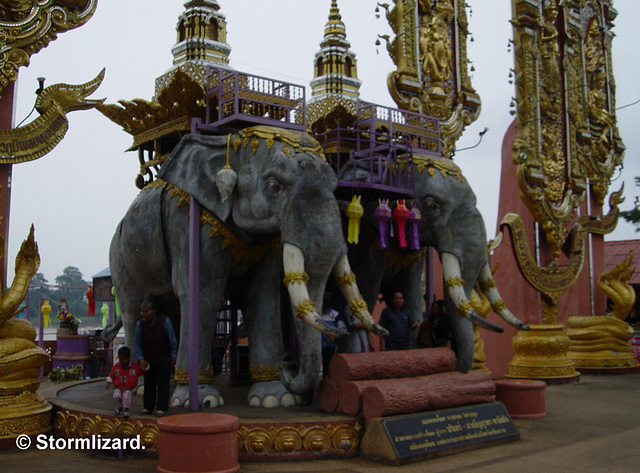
{"points": [[73, 288], [39, 291], [633, 215]]}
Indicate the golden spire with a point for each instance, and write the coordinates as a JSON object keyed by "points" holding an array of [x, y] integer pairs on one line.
{"points": [[201, 42], [335, 72]]}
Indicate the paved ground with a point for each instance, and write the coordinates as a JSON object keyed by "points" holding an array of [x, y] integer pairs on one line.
{"points": [[590, 427]]}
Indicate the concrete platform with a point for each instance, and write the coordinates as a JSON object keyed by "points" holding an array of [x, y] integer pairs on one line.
{"points": [[590, 427]]}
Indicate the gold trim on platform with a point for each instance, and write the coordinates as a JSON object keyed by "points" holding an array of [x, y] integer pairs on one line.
{"points": [[292, 439], [254, 440]]}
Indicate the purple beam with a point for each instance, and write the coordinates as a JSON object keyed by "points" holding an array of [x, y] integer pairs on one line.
{"points": [[194, 285]]}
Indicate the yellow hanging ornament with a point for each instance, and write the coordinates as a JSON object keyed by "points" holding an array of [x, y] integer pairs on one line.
{"points": [[46, 310], [354, 212]]}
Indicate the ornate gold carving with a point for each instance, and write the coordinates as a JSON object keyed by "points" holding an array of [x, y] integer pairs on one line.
{"points": [[300, 142], [296, 276], [357, 306], [398, 259], [260, 373], [26, 27], [601, 342], [305, 307], [287, 440], [82, 425], [553, 280], [241, 252], [445, 167], [482, 307], [614, 283], [541, 353], [34, 140], [430, 53], [453, 282], [139, 116], [346, 279], [316, 439], [464, 308], [566, 134], [205, 376]]}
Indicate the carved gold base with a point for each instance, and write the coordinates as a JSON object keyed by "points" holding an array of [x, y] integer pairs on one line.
{"points": [[541, 353], [280, 440], [605, 359], [27, 413], [601, 342]]}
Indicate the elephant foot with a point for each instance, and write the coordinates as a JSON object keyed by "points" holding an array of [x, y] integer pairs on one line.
{"points": [[208, 396], [271, 394]]}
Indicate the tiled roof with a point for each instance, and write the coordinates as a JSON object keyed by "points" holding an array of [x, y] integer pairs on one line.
{"points": [[616, 251]]}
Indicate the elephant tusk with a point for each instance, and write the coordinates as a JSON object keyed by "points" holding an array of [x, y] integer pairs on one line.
{"points": [[454, 285], [296, 281], [346, 281], [489, 288]]}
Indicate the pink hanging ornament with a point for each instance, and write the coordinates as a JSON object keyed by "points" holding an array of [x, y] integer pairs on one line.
{"points": [[414, 228], [400, 216], [383, 215]]}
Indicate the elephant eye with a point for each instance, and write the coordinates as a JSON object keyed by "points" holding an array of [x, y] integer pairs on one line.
{"points": [[429, 204], [274, 186]]}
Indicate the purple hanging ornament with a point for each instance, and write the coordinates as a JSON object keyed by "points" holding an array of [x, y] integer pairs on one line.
{"points": [[383, 215], [414, 228]]}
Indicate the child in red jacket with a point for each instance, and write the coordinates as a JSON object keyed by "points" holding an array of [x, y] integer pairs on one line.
{"points": [[124, 376]]}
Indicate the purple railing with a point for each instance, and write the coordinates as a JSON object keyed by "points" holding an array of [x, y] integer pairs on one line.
{"points": [[236, 99], [380, 146]]}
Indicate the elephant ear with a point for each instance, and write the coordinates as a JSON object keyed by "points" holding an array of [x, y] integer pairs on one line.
{"points": [[193, 166]]}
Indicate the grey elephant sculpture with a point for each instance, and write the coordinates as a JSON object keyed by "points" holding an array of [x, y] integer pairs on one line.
{"points": [[278, 216], [450, 223]]}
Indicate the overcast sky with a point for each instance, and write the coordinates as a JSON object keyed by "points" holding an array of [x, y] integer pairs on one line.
{"points": [[77, 194]]}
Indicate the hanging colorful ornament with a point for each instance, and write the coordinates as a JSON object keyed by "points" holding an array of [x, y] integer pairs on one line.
{"points": [[383, 215], [46, 310], [400, 216], [414, 228], [354, 213], [91, 310]]}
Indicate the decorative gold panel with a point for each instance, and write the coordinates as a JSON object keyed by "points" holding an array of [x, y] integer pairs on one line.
{"points": [[27, 26], [430, 53], [567, 138]]}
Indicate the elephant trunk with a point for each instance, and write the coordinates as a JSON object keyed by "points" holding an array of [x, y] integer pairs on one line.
{"points": [[346, 281], [489, 288]]}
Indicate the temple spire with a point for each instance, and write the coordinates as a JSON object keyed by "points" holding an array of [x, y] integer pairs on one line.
{"points": [[201, 41], [335, 71]]}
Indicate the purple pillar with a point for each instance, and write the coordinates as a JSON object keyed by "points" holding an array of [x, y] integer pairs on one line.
{"points": [[194, 285]]}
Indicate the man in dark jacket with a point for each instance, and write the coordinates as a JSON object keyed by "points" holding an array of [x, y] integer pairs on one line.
{"points": [[156, 348], [397, 321]]}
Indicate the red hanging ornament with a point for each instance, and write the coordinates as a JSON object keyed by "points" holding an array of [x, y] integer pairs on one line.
{"points": [[400, 216]]}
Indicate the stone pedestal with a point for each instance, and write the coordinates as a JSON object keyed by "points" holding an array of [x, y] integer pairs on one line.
{"points": [[198, 443], [541, 353], [523, 398], [70, 349]]}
